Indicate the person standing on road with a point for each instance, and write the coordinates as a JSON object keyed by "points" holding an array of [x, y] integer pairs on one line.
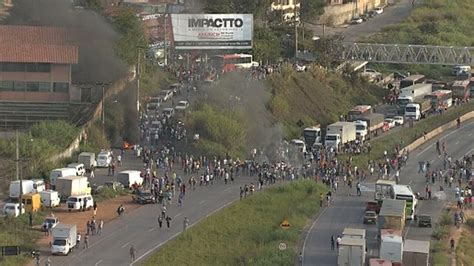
{"points": [[338, 241], [332, 242], [133, 252], [86, 241], [101, 225], [163, 212], [185, 223], [95, 208], [359, 193], [160, 221], [300, 259], [168, 221]]}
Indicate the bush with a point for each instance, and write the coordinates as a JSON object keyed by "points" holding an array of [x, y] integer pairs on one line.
{"points": [[446, 219], [440, 232], [470, 222], [109, 193]]}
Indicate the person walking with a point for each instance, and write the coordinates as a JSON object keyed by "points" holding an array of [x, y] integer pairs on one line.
{"points": [[95, 208], [160, 221], [133, 252], [86, 241], [332, 242], [185, 223], [101, 225], [168, 221]]}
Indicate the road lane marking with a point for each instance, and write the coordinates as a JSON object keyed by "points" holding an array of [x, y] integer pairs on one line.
{"points": [[151, 229], [202, 202], [457, 142], [177, 215], [175, 235], [97, 263], [126, 244], [227, 189]]}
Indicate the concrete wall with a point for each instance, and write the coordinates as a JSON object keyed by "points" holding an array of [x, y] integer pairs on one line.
{"points": [[342, 13]]}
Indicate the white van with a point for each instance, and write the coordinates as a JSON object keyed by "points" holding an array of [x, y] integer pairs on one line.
{"points": [[28, 186], [461, 70], [13, 209], [104, 159], [79, 167], [60, 172], [77, 202], [49, 198], [38, 185], [129, 177]]}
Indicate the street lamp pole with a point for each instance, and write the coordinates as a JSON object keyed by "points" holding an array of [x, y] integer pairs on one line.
{"points": [[138, 81], [296, 28], [18, 176]]}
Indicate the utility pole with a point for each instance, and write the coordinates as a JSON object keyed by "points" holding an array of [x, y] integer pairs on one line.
{"points": [[138, 81], [18, 176], [103, 109], [296, 28], [165, 53]]}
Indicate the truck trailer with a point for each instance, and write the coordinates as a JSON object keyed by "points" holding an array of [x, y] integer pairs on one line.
{"points": [[351, 252], [419, 109], [416, 252], [369, 124], [340, 133], [392, 215], [64, 238], [411, 94], [72, 186]]}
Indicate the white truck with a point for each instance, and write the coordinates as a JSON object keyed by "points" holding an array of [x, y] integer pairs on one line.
{"points": [[72, 186], [391, 245], [28, 186], [64, 238], [60, 172], [88, 159], [418, 109], [129, 177], [411, 94], [368, 124], [312, 135], [416, 252], [340, 133], [351, 252], [49, 198]]}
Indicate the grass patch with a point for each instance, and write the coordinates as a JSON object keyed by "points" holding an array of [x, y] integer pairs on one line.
{"points": [[439, 250], [464, 254], [248, 232], [109, 193], [17, 232]]}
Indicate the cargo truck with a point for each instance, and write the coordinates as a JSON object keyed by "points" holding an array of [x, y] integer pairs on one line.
{"points": [[416, 252], [419, 109], [72, 186], [88, 159], [392, 215], [368, 125], [391, 245], [351, 252], [411, 94], [340, 133], [461, 89], [353, 233], [312, 136], [64, 238]]}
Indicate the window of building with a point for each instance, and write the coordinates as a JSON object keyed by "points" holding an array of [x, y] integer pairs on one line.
{"points": [[12, 67], [32, 86], [45, 86], [38, 67], [19, 86], [61, 87], [6, 85]]}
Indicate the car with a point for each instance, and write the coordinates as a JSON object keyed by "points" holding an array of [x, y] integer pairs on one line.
{"points": [[168, 112], [182, 105], [53, 220], [165, 95], [143, 197], [371, 74], [398, 120], [370, 217], [424, 220], [154, 103], [104, 159], [372, 206], [390, 122], [356, 20], [378, 10], [175, 88]]}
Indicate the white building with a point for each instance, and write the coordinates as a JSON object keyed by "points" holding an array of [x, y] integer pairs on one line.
{"points": [[287, 7]]}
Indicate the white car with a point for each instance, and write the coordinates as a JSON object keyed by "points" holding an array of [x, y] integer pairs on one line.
{"points": [[182, 105], [104, 159], [390, 122], [77, 202], [154, 103], [356, 20], [398, 120], [371, 74], [168, 112], [50, 220], [378, 10], [165, 95]]}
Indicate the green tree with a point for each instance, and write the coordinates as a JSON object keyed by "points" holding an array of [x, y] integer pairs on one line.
{"points": [[310, 10], [266, 46], [328, 49], [133, 36]]}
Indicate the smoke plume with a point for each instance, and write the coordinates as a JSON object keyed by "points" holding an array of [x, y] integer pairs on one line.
{"points": [[90, 31]]}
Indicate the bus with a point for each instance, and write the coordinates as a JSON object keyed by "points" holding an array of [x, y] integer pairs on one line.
{"points": [[359, 111], [412, 80], [382, 189], [312, 135], [232, 62], [404, 192], [461, 89], [440, 99]]}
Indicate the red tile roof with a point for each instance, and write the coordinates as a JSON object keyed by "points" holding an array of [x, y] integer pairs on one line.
{"points": [[30, 44]]}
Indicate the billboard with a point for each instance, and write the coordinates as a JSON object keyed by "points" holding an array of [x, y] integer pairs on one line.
{"points": [[212, 31]]}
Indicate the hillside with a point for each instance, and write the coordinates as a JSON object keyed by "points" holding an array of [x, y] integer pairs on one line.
{"points": [[316, 96]]}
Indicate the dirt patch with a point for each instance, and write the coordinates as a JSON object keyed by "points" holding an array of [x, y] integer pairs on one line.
{"points": [[456, 234], [106, 210]]}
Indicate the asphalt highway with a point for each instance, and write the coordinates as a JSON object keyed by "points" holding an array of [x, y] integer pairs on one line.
{"points": [[140, 227], [347, 210]]}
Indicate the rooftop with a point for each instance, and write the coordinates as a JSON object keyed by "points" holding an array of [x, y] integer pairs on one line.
{"points": [[32, 44]]}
